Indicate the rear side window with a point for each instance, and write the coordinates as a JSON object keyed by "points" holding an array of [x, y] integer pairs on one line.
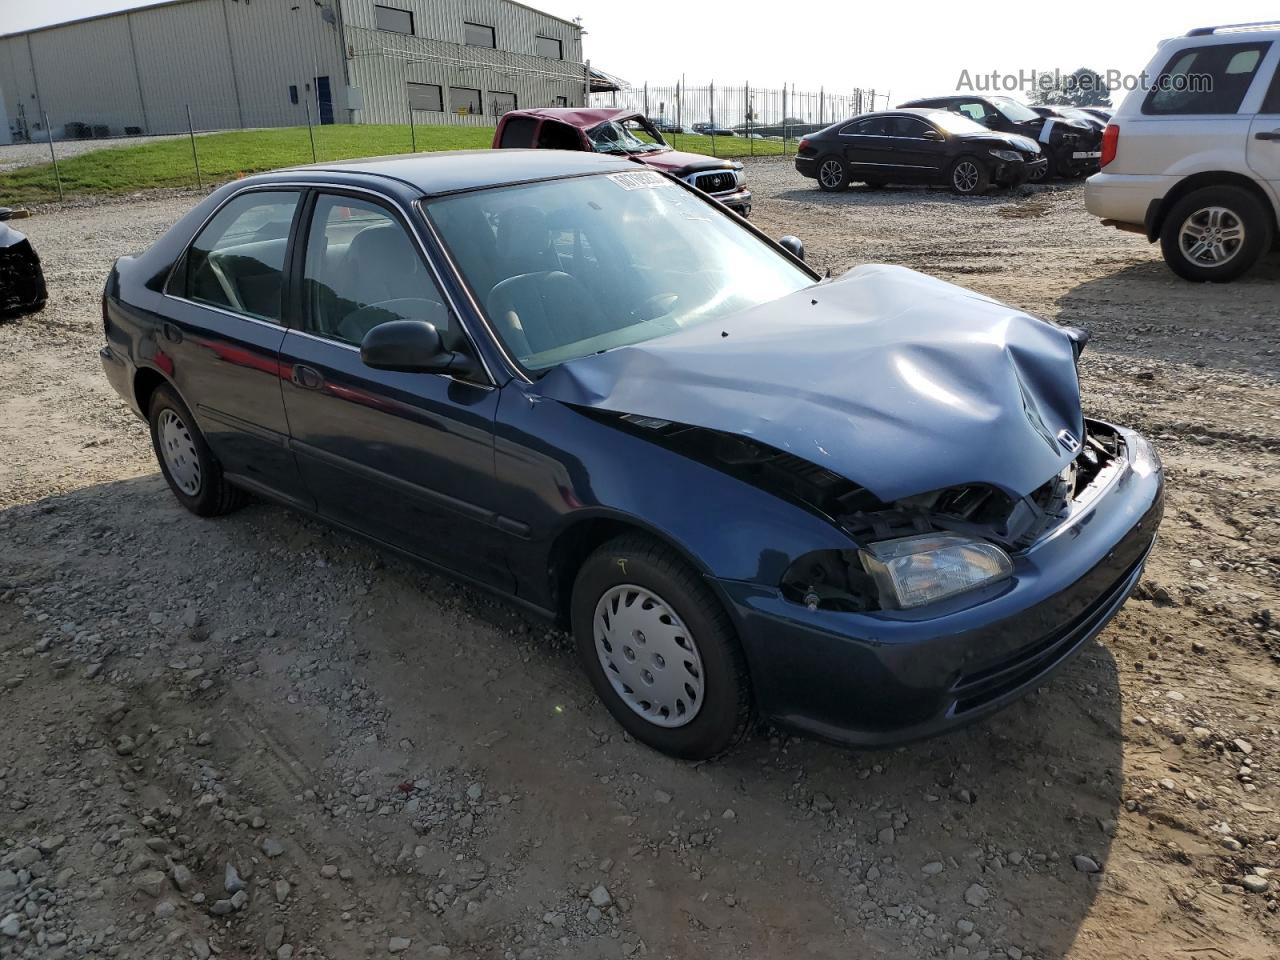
{"points": [[363, 269], [1206, 80], [874, 127], [237, 260], [518, 132]]}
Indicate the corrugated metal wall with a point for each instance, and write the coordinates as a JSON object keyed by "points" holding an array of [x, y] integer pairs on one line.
{"points": [[234, 61]]}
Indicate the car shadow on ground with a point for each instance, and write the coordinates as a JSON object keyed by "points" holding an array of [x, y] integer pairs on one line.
{"points": [[915, 195], [1165, 318], [968, 840]]}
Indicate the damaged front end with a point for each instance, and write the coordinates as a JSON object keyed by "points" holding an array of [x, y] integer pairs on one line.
{"points": [[22, 287], [988, 523]]}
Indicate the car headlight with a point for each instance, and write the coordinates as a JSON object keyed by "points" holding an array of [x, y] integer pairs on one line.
{"points": [[914, 571], [1009, 156]]}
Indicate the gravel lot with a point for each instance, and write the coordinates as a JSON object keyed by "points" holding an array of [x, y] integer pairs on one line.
{"points": [[259, 738]]}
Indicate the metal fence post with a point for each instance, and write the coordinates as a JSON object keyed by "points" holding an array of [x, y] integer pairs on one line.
{"points": [[310, 134], [713, 119], [746, 97], [784, 119], [57, 176], [195, 157]]}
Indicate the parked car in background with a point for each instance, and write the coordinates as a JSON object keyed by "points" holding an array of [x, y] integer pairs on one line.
{"points": [[709, 129], [1072, 147], [22, 287], [665, 125], [1196, 165], [917, 146], [1102, 113], [870, 508], [622, 132]]}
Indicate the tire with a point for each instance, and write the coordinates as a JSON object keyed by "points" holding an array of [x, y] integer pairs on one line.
{"points": [[828, 180], [633, 582], [189, 466], [1227, 212], [969, 177], [1045, 173]]}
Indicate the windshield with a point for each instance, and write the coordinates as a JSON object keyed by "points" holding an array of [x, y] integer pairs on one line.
{"points": [[625, 137], [955, 123], [568, 268], [1014, 110]]}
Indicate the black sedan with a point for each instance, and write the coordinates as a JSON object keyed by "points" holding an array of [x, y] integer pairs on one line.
{"points": [[868, 508], [1073, 148], [916, 146]]}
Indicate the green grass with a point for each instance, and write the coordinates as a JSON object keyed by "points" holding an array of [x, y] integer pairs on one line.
{"points": [[225, 156]]}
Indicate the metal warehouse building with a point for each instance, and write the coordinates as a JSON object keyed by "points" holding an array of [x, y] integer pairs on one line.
{"points": [[265, 63]]}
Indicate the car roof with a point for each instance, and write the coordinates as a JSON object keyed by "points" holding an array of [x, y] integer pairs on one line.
{"points": [[457, 170], [583, 117]]}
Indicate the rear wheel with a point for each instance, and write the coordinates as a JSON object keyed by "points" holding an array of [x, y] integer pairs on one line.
{"points": [[189, 466], [833, 174], [660, 650], [1215, 234], [969, 177]]}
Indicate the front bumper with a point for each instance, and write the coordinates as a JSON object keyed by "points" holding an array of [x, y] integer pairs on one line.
{"points": [[1016, 174], [887, 677], [739, 201]]}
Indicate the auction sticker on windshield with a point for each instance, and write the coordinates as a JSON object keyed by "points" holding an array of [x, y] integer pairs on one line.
{"points": [[638, 180]]}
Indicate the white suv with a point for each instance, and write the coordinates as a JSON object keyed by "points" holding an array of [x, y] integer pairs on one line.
{"points": [[1194, 159]]}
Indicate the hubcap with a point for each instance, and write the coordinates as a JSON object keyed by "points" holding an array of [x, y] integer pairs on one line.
{"points": [[831, 173], [649, 656], [179, 452], [1212, 237], [966, 176]]}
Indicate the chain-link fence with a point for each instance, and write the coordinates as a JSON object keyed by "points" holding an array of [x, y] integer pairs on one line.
{"points": [[779, 116]]}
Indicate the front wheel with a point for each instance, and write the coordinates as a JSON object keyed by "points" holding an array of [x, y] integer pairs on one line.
{"points": [[833, 174], [189, 466], [969, 177], [1215, 234], [660, 650]]}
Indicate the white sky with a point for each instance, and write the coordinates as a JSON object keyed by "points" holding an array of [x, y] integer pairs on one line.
{"points": [[908, 51]]}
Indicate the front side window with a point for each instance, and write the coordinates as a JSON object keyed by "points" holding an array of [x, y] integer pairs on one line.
{"points": [[568, 268], [237, 261], [363, 269], [425, 96], [464, 100], [478, 35], [550, 47], [393, 19], [1206, 80], [910, 128]]}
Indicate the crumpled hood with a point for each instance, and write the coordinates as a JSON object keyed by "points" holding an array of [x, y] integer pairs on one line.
{"points": [[681, 163], [900, 382]]}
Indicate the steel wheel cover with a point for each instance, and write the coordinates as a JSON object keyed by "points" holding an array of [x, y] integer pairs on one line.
{"points": [[179, 451], [966, 176], [1211, 237], [831, 173], [649, 656]]}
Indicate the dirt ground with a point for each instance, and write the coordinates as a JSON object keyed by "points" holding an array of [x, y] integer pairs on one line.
{"points": [[392, 763]]}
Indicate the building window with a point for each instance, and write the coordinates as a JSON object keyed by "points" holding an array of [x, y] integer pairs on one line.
{"points": [[478, 35], [293, 94], [500, 103], [550, 47], [393, 19], [562, 101], [464, 100], [426, 96]]}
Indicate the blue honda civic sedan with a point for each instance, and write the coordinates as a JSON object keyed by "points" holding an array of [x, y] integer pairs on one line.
{"points": [[868, 508]]}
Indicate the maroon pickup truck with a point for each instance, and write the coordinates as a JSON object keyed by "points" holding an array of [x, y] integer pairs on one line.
{"points": [[623, 132]]}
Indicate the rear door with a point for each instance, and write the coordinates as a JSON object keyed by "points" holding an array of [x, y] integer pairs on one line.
{"points": [[1264, 134], [220, 340], [406, 458], [865, 145]]}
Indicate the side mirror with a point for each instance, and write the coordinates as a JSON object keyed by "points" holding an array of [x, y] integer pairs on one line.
{"points": [[793, 246], [933, 135], [410, 346]]}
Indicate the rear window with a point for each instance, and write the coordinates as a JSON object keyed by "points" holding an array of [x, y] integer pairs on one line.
{"points": [[1206, 80]]}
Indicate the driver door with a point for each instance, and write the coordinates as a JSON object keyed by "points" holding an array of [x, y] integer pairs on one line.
{"points": [[406, 458]]}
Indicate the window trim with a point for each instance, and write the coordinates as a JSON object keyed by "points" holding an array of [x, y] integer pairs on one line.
{"points": [[1271, 99], [182, 262], [413, 25], [493, 35], [556, 40], [1239, 41]]}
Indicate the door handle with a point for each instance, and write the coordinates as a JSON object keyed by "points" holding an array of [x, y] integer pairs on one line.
{"points": [[171, 332], [308, 378], [1274, 135]]}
